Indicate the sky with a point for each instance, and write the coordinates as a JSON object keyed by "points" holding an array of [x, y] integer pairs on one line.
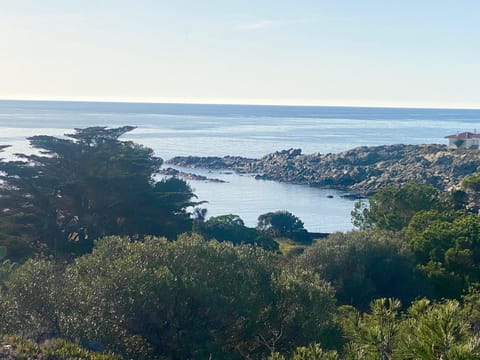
{"points": [[422, 53]]}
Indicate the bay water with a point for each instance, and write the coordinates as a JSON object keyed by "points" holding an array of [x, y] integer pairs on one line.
{"points": [[243, 130]]}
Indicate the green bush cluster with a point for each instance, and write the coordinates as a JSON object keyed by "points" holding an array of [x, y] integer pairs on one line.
{"points": [[184, 299], [14, 347]]}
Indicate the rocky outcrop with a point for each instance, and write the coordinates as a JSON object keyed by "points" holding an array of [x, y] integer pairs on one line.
{"points": [[189, 176], [362, 170]]}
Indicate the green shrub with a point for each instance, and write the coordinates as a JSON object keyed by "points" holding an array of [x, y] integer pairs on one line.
{"points": [[55, 349]]}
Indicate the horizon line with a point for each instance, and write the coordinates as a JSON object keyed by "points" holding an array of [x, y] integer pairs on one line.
{"points": [[241, 103]]}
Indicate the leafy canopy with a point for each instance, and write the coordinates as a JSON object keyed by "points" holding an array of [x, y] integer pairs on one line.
{"points": [[364, 265], [447, 247], [84, 186], [185, 299], [392, 207], [281, 223], [232, 228]]}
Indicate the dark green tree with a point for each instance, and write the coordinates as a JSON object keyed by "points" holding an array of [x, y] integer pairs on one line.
{"points": [[392, 207], [232, 228], [282, 223], [364, 265], [459, 142], [447, 247], [84, 186]]}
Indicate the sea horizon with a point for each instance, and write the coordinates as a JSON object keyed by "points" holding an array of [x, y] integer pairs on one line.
{"points": [[232, 103]]}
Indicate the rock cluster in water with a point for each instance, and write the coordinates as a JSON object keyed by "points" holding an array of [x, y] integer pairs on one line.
{"points": [[189, 176], [362, 170]]}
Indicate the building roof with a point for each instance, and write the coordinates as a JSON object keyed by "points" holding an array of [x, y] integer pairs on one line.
{"points": [[464, 136]]}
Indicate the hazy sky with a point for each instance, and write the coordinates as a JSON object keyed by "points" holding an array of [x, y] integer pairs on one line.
{"points": [[325, 52]]}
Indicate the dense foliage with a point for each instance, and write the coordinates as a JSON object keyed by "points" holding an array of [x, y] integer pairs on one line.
{"points": [[393, 206], [282, 224], [447, 246], [184, 299], [364, 265], [14, 347], [87, 185], [426, 330], [232, 228]]}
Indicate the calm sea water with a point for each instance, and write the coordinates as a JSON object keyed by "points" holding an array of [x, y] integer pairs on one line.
{"points": [[252, 131]]}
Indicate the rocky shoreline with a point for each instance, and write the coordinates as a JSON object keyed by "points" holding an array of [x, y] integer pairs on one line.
{"points": [[189, 176], [362, 170]]}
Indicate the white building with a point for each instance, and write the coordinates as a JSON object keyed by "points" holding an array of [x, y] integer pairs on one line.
{"points": [[466, 140]]}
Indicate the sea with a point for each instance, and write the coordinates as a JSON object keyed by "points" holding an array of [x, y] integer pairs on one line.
{"points": [[243, 130]]}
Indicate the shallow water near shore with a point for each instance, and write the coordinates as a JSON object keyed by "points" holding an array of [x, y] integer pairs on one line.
{"points": [[255, 197], [250, 131]]}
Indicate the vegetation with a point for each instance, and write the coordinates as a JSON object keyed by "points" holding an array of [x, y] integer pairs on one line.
{"points": [[393, 206], [459, 142], [471, 185], [366, 265], [203, 298], [101, 260], [232, 228], [282, 224], [447, 247], [85, 186], [14, 347]]}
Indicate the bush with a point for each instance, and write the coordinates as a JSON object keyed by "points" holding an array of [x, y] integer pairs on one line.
{"points": [[364, 265], [184, 299], [14, 347]]}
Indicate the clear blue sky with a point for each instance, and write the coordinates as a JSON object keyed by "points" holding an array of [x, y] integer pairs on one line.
{"points": [[400, 53]]}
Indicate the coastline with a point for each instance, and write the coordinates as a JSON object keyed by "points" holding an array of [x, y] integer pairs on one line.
{"points": [[360, 171]]}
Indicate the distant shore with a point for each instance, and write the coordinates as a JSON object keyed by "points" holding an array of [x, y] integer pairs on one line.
{"points": [[361, 171]]}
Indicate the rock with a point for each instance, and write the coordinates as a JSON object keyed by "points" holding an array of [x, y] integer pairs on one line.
{"points": [[362, 170], [189, 176]]}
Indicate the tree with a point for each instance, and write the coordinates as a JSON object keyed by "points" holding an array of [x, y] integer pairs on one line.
{"points": [[459, 142], [392, 207], [437, 331], [364, 265], [232, 228], [425, 331], [447, 247], [372, 335], [85, 186], [280, 223]]}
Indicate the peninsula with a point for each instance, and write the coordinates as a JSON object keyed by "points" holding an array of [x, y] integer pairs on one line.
{"points": [[362, 170]]}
